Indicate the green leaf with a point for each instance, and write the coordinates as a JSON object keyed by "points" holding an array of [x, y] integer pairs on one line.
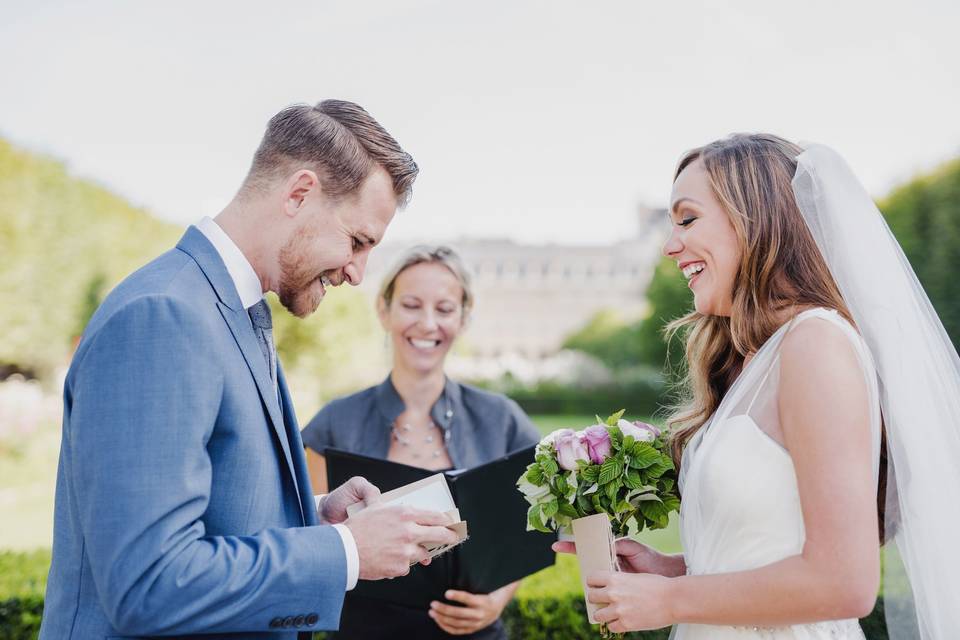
{"points": [[671, 503], [652, 510], [550, 508], [560, 485], [616, 437], [638, 523], [535, 474], [610, 490], [643, 455], [568, 509], [591, 473], [666, 484], [534, 521], [658, 469], [642, 494], [610, 470], [623, 506], [632, 479], [628, 443], [612, 420], [596, 502], [585, 505], [550, 467]]}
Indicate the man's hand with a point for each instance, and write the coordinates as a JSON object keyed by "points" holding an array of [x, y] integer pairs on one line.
{"points": [[391, 538], [333, 506]]}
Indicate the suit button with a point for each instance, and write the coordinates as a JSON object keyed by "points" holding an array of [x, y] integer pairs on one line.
{"points": [[298, 621], [312, 619], [288, 622], [276, 623]]}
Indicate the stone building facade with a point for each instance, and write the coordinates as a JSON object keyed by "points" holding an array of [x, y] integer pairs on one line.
{"points": [[529, 298]]}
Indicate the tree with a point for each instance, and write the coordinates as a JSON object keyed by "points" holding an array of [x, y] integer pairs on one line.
{"points": [[621, 345], [67, 241], [924, 215]]}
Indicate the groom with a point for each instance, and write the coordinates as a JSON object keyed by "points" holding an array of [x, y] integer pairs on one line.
{"points": [[183, 503]]}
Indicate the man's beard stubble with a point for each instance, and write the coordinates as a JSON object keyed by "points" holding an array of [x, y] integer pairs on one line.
{"points": [[298, 289]]}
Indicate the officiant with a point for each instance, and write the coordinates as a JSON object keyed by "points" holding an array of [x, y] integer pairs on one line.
{"points": [[420, 417]]}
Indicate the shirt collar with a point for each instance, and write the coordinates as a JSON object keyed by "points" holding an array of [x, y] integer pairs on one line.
{"points": [[241, 272]]}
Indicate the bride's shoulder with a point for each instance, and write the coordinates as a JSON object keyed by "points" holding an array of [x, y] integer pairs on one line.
{"points": [[820, 340]]}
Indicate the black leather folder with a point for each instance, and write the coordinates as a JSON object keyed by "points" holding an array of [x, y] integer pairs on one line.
{"points": [[499, 549]]}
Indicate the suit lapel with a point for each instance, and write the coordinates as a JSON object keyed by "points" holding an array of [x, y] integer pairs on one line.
{"points": [[307, 507], [242, 331], [198, 247]]}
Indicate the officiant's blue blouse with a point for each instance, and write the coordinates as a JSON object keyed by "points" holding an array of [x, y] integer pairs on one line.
{"points": [[478, 426]]}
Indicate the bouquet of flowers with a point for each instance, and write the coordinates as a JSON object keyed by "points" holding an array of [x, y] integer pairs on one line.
{"points": [[615, 467]]}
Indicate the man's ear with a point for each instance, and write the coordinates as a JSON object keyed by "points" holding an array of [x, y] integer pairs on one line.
{"points": [[296, 190]]}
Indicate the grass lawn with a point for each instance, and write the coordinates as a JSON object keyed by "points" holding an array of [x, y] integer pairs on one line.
{"points": [[28, 478]]}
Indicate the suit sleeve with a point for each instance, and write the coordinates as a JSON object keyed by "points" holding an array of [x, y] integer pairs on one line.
{"points": [[142, 401]]}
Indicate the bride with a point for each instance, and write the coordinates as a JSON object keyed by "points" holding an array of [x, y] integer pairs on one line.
{"points": [[812, 353]]}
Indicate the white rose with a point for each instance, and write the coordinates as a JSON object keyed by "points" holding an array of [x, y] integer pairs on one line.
{"points": [[643, 433]]}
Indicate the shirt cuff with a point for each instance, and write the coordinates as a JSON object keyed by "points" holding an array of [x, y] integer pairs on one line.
{"points": [[353, 558]]}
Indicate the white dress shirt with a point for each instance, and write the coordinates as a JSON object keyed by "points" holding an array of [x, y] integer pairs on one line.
{"points": [[251, 292]]}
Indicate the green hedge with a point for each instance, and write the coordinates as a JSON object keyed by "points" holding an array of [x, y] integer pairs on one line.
{"points": [[549, 605], [642, 393]]}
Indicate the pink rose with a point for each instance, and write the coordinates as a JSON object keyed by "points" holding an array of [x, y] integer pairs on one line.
{"points": [[598, 442], [570, 448], [641, 431]]}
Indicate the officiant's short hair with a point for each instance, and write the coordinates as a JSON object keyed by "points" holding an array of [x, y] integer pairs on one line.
{"points": [[339, 141]]}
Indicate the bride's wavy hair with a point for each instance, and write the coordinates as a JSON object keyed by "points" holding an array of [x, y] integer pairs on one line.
{"points": [[780, 268]]}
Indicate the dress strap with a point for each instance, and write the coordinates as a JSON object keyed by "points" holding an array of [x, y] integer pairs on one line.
{"points": [[821, 312]]}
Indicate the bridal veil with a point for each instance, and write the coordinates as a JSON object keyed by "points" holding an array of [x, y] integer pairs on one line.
{"points": [[919, 380]]}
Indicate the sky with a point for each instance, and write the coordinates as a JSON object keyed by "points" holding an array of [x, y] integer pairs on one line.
{"points": [[538, 121]]}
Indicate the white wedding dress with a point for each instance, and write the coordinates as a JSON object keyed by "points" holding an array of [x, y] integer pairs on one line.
{"points": [[741, 508]]}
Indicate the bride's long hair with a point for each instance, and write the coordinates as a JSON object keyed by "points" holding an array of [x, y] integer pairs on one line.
{"points": [[780, 269]]}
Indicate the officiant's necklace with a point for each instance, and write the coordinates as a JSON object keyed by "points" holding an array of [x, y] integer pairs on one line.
{"points": [[407, 434]]}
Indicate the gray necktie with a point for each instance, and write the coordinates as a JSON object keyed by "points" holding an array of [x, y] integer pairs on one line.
{"points": [[263, 327]]}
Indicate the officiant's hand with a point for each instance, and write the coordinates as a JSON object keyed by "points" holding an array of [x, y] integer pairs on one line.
{"points": [[391, 538], [636, 557], [631, 601], [479, 611], [333, 506]]}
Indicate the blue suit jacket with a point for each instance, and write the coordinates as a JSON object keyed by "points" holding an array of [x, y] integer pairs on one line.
{"points": [[183, 504]]}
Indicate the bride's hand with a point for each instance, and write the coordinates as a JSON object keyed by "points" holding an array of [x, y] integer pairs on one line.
{"points": [[636, 557], [630, 601]]}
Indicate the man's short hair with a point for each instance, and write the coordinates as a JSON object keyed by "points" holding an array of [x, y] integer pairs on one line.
{"points": [[338, 140]]}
